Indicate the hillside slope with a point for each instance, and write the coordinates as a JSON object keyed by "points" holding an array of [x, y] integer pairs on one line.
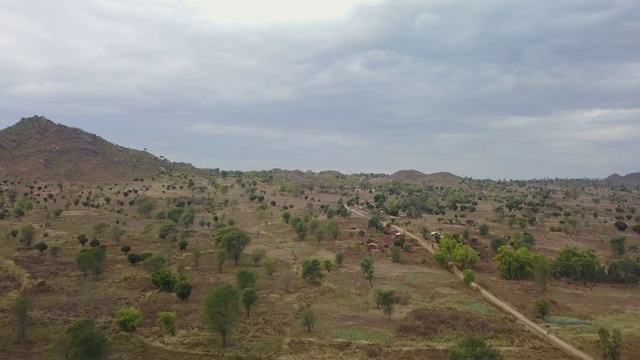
{"points": [[36, 148]]}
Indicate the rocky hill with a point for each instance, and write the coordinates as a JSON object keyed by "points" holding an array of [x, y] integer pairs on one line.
{"points": [[631, 178], [415, 176], [36, 148]]}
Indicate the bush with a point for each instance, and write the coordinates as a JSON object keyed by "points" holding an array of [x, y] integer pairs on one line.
{"points": [[183, 290], [153, 263], [497, 242], [541, 308], [128, 319], [468, 276], [168, 322], [41, 246], [620, 225], [311, 270], [163, 279], [473, 347], [246, 279]]}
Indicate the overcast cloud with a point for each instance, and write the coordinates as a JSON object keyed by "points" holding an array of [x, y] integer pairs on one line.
{"points": [[499, 89]]}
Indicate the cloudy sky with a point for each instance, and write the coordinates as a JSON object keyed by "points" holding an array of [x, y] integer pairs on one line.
{"points": [[487, 89]]}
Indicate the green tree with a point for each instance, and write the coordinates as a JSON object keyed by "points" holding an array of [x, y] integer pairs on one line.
{"points": [[133, 258], [395, 254], [301, 230], [464, 256], [249, 297], [91, 260], [366, 264], [611, 343], [164, 279], [183, 290], [41, 246], [541, 308], [20, 309], [82, 239], [221, 308], [286, 216], [182, 245], [497, 242], [128, 319], [514, 265], [542, 272], [168, 321], [339, 258], [146, 206], [246, 279], [327, 265], [484, 229], [167, 228], [311, 270], [27, 234], [617, 245], [473, 347], [270, 265], [387, 301], [125, 249], [257, 255], [375, 222], [233, 241], [369, 276], [308, 318], [332, 229], [468, 276], [82, 341], [153, 263]]}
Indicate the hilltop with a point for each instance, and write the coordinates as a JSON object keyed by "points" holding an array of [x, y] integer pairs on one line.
{"points": [[415, 176], [36, 148]]}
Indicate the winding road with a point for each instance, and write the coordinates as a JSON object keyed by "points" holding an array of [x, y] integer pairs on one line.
{"points": [[532, 326]]}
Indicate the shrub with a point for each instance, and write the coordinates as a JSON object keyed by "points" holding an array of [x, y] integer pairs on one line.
{"points": [[168, 322], [339, 258], [541, 308], [246, 279], [41, 246], [468, 276], [183, 290], [128, 319], [163, 279], [473, 347]]}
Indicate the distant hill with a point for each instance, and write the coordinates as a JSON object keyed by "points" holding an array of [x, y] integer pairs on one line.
{"points": [[36, 148], [629, 178], [415, 176]]}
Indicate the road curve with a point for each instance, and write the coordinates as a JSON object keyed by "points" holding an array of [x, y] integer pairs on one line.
{"points": [[532, 326]]}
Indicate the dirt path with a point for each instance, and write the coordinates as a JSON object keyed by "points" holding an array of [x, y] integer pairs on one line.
{"points": [[537, 329]]}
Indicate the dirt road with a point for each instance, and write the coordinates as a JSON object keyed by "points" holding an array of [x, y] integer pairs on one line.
{"points": [[537, 329]]}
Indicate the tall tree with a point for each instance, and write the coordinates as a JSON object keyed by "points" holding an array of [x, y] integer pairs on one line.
{"points": [[332, 229], [20, 311], [233, 241], [387, 300], [221, 309], [249, 297]]}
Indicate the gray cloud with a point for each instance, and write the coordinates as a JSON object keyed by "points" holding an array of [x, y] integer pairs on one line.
{"points": [[484, 89]]}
